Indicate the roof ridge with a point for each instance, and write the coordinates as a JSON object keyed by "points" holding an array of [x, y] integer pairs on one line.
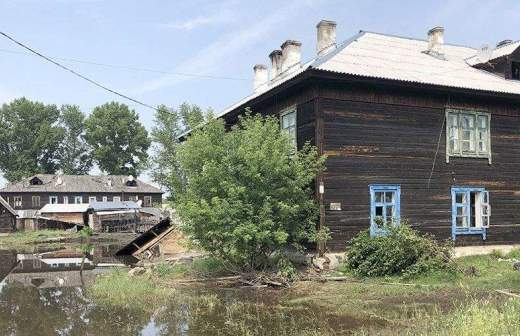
{"points": [[417, 39]]}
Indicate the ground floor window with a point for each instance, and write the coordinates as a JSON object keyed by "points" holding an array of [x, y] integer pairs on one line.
{"points": [[385, 207], [470, 211], [147, 201]]}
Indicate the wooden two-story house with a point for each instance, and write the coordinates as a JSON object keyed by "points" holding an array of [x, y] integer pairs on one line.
{"points": [[36, 191], [414, 129]]}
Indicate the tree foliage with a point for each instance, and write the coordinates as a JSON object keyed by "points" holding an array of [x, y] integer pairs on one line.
{"points": [[247, 196], [30, 137], [169, 124], [75, 157], [119, 141]]}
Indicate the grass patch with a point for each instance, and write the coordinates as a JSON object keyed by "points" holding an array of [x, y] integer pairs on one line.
{"points": [[514, 254], [206, 267], [121, 290], [22, 238]]}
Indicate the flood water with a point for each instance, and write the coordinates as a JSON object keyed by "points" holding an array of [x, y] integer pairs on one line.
{"points": [[44, 293]]}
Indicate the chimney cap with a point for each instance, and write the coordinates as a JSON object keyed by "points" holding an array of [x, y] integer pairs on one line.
{"points": [[326, 23], [435, 30], [260, 67], [275, 52], [291, 42], [503, 43]]}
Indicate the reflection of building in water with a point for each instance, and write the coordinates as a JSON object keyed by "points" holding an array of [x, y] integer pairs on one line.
{"points": [[7, 263], [52, 269]]}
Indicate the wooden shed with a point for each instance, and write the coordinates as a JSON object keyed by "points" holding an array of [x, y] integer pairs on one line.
{"points": [[7, 217]]}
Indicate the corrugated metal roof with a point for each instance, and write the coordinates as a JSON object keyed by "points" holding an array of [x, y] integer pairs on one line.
{"points": [[99, 206], [403, 59], [501, 51], [64, 208], [80, 184]]}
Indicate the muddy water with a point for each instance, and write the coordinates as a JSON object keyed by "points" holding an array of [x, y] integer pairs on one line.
{"points": [[44, 293]]}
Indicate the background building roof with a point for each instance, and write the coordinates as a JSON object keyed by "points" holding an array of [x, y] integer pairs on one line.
{"points": [[65, 208], [80, 184]]}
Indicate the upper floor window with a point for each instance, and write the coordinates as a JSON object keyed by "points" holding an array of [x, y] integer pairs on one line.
{"points": [[147, 201], [385, 207], [78, 199], [17, 201], [116, 199], [470, 211], [36, 201], [515, 70], [65, 199], [92, 199], [288, 123], [53, 199], [468, 134]]}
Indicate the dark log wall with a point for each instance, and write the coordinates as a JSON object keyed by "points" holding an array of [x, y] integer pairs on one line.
{"points": [[7, 220], [386, 136]]}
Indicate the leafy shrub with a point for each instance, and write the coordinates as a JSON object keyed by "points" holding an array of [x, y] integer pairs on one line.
{"points": [[248, 195], [86, 232], [402, 251], [286, 269]]}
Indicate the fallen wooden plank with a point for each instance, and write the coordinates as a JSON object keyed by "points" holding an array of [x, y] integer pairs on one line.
{"points": [[507, 293]]}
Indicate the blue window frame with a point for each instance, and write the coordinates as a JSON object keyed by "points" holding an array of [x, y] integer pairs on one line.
{"points": [[385, 207], [470, 211]]}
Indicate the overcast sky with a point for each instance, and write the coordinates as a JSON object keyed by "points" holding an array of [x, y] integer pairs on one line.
{"points": [[219, 39]]}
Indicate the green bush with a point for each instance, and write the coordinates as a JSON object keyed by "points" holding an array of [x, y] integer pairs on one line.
{"points": [[248, 195], [402, 251], [86, 232]]}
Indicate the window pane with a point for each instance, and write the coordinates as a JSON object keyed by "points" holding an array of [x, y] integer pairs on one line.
{"points": [[389, 197], [482, 122], [467, 121], [379, 211], [460, 198], [389, 213], [462, 222], [379, 196], [461, 211], [452, 120]]}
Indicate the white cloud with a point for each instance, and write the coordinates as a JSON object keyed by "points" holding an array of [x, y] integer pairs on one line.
{"points": [[211, 58], [222, 16]]}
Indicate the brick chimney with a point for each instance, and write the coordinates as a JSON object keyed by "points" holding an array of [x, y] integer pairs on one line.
{"points": [[276, 63], [326, 41], [261, 77], [435, 39], [291, 54]]}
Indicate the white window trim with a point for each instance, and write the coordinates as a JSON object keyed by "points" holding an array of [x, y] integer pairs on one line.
{"points": [[65, 199], [289, 110], [17, 201], [116, 199], [92, 199], [78, 197], [105, 199], [55, 197], [460, 153], [149, 202]]}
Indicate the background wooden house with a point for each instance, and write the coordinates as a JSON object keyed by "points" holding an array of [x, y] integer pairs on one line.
{"points": [[37, 191]]}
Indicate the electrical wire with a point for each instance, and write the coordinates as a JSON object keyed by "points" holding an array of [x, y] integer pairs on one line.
{"points": [[93, 82], [127, 67]]}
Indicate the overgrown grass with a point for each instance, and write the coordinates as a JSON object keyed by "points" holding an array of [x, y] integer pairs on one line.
{"points": [[121, 290], [23, 238], [514, 254], [199, 268]]}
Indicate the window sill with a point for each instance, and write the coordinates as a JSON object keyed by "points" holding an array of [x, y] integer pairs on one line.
{"points": [[469, 231]]}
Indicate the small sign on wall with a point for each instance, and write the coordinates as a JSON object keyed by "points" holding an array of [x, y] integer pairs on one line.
{"points": [[335, 206]]}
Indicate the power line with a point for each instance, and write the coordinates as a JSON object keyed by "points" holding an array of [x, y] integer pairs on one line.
{"points": [[77, 74], [128, 67]]}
